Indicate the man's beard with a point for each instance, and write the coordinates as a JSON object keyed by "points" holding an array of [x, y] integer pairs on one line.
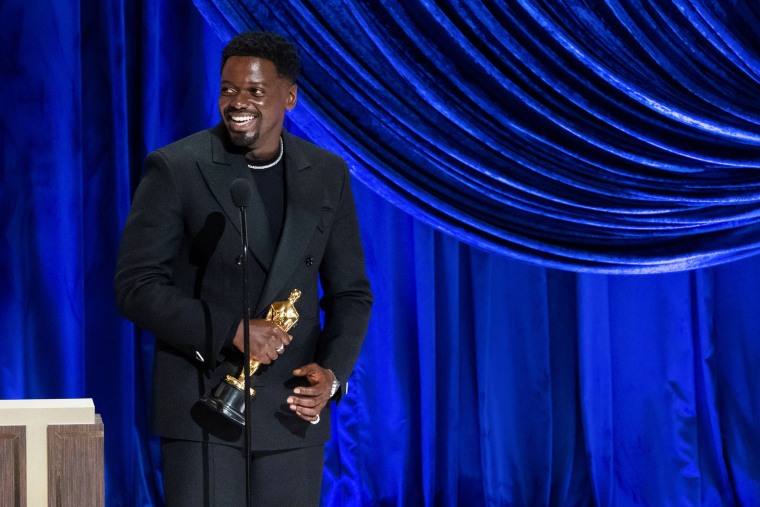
{"points": [[243, 139]]}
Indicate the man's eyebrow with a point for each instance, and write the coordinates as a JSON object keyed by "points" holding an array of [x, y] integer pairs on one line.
{"points": [[247, 83]]}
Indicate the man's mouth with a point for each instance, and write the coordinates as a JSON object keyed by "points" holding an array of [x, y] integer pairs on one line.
{"points": [[241, 120]]}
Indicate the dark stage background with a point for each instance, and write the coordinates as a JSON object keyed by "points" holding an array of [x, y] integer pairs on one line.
{"points": [[559, 202]]}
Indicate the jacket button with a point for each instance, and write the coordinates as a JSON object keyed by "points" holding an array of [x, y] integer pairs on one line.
{"points": [[309, 261], [239, 260]]}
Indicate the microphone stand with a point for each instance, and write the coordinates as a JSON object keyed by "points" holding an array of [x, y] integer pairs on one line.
{"points": [[246, 356]]}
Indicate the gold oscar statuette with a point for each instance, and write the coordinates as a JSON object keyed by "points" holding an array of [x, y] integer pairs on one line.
{"points": [[227, 398]]}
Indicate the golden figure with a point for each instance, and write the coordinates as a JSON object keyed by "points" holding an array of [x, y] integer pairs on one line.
{"points": [[285, 316]]}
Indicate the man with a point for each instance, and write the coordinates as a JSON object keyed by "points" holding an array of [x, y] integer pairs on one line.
{"points": [[179, 276]]}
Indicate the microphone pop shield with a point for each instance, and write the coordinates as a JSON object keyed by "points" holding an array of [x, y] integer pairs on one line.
{"points": [[241, 193]]}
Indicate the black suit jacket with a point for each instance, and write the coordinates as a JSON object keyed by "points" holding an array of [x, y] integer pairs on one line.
{"points": [[179, 276]]}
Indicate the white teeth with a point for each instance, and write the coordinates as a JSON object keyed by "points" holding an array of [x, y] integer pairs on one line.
{"points": [[241, 119]]}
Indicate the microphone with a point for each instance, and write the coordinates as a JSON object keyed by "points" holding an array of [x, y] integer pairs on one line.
{"points": [[241, 198], [241, 193]]}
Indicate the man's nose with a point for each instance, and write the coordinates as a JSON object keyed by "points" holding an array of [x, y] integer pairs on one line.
{"points": [[238, 102]]}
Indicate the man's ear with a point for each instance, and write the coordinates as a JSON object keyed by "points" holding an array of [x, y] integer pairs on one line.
{"points": [[292, 97]]}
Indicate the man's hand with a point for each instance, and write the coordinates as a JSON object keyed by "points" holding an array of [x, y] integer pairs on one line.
{"points": [[308, 402], [267, 341]]}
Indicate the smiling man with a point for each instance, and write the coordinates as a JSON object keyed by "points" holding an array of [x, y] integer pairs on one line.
{"points": [[179, 276], [253, 100]]}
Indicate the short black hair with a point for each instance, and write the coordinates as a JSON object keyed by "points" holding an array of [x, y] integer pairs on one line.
{"points": [[269, 46]]}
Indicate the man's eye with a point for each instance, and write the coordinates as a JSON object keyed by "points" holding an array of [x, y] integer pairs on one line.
{"points": [[228, 91]]}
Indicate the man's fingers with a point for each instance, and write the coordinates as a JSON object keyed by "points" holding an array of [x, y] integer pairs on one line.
{"points": [[296, 402], [307, 414]]}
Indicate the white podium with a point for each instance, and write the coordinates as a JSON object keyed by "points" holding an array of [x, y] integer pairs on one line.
{"points": [[51, 453]]}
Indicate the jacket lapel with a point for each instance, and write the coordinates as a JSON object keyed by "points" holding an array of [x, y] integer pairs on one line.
{"points": [[219, 174], [303, 197]]}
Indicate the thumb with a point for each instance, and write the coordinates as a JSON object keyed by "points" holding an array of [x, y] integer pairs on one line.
{"points": [[303, 370]]}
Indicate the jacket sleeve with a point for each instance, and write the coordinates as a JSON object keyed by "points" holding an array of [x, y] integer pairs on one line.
{"points": [[347, 299], [153, 244]]}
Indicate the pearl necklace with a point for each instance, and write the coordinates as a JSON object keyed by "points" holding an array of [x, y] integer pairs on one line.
{"points": [[279, 157]]}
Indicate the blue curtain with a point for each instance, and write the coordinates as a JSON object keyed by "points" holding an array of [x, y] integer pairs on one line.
{"points": [[559, 209], [87, 89]]}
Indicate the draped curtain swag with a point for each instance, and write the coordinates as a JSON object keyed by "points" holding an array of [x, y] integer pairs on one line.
{"points": [[619, 137]]}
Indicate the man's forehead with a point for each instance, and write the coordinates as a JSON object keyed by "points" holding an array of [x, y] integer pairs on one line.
{"points": [[251, 65]]}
